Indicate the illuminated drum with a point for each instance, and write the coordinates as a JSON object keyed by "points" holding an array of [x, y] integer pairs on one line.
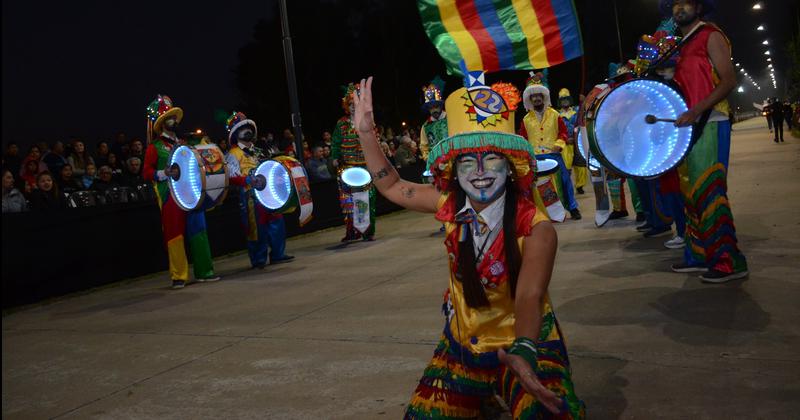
{"points": [[357, 183], [546, 166], [283, 186], [199, 177], [583, 148], [623, 140]]}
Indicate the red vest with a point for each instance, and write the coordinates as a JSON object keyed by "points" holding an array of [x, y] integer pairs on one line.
{"points": [[694, 72]]}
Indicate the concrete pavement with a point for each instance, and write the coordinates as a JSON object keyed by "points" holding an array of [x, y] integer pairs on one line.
{"points": [[345, 332]]}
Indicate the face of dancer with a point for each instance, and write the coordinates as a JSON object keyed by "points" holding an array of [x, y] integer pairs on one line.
{"points": [[565, 103], [436, 111], [537, 99], [245, 136], [482, 176], [171, 125], [685, 12]]}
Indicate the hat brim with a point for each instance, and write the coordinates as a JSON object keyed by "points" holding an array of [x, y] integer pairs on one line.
{"points": [[427, 105], [172, 112], [241, 124], [666, 7]]}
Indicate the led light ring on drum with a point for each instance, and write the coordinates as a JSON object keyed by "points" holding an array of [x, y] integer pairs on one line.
{"points": [[546, 167], [275, 187], [665, 100], [593, 163], [188, 195]]}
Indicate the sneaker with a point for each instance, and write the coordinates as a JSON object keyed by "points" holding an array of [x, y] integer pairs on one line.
{"points": [[675, 243], [259, 266], [575, 214], [644, 227], [281, 260], [640, 217], [580, 190], [369, 238], [715, 276], [686, 268], [178, 284], [657, 231], [618, 214], [210, 279]]}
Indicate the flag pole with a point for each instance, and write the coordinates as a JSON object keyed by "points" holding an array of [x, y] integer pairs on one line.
{"points": [[291, 81]]}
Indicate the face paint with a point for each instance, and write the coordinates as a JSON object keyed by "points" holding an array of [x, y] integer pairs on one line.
{"points": [[245, 135], [482, 176]]}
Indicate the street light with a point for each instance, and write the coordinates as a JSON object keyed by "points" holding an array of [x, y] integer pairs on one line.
{"points": [[766, 52], [757, 6], [760, 28], [766, 42]]}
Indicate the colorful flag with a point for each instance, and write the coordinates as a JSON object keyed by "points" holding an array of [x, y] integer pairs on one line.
{"points": [[494, 35]]}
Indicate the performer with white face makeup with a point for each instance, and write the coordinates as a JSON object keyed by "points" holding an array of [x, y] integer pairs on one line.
{"points": [[501, 340]]}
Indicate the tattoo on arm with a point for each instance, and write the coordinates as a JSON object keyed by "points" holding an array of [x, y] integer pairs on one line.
{"points": [[383, 173], [408, 192]]}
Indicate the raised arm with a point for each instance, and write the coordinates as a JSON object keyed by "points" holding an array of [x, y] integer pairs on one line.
{"points": [[419, 197]]}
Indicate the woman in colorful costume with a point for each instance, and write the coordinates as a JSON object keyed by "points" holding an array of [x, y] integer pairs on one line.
{"points": [[346, 152], [547, 133], [265, 231], [162, 122], [434, 129], [501, 338]]}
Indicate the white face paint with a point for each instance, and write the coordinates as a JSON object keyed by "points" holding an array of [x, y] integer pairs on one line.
{"points": [[482, 176]]}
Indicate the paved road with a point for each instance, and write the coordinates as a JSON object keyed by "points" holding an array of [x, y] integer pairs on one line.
{"points": [[344, 332]]}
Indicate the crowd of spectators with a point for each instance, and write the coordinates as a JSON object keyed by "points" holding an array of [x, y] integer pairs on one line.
{"points": [[48, 175]]}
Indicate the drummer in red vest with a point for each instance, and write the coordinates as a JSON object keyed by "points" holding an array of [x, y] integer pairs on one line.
{"points": [[706, 76], [162, 125], [265, 231]]}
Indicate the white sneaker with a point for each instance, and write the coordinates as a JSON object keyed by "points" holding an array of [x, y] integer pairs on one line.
{"points": [[675, 243]]}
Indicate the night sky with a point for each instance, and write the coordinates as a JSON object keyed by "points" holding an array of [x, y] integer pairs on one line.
{"points": [[88, 68]]}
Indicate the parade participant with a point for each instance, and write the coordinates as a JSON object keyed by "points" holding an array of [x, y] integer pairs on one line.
{"points": [[435, 127], [346, 152], [547, 133], [265, 231], [163, 119], [706, 76], [500, 337], [569, 113]]}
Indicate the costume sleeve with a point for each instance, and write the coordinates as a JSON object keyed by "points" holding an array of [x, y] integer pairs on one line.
{"points": [[150, 161], [523, 131], [235, 171], [424, 147], [336, 141], [562, 133]]}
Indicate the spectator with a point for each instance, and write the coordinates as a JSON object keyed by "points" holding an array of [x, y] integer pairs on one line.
{"points": [[116, 167], [406, 154], [326, 138], [389, 135], [101, 154], [318, 169], [104, 180], [55, 159], [387, 152], [788, 113], [272, 149], [326, 152], [120, 146], [67, 182], [132, 177], [30, 169], [80, 159], [11, 159], [287, 141], [13, 200], [306, 151], [34, 153], [46, 196], [136, 150], [88, 177]]}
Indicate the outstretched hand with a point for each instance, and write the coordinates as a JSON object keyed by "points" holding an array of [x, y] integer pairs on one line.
{"points": [[530, 383], [363, 117]]}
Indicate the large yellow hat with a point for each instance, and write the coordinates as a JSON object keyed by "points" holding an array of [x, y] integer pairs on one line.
{"points": [[481, 119]]}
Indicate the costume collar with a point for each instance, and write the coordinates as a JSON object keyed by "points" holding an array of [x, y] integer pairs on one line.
{"points": [[442, 116], [491, 215]]}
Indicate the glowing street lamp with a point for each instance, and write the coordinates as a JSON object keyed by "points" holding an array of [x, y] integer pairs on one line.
{"points": [[766, 52], [760, 28], [766, 42], [757, 6]]}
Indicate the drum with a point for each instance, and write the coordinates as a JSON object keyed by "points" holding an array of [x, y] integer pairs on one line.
{"points": [[283, 186], [82, 199], [583, 148], [200, 176], [546, 166], [623, 140], [427, 177], [357, 182]]}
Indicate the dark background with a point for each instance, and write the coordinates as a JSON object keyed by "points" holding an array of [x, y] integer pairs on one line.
{"points": [[88, 68]]}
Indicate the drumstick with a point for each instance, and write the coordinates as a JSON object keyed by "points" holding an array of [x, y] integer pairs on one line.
{"points": [[652, 119]]}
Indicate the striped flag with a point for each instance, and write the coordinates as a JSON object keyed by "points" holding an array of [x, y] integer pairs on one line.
{"points": [[494, 35]]}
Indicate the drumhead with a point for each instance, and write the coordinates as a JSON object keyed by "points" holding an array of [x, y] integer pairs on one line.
{"points": [[546, 167], [623, 141], [356, 177], [188, 189], [278, 189], [583, 148]]}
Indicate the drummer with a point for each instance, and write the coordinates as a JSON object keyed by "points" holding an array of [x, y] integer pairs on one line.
{"points": [[547, 133], [435, 127], [569, 113], [265, 231], [163, 119]]}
